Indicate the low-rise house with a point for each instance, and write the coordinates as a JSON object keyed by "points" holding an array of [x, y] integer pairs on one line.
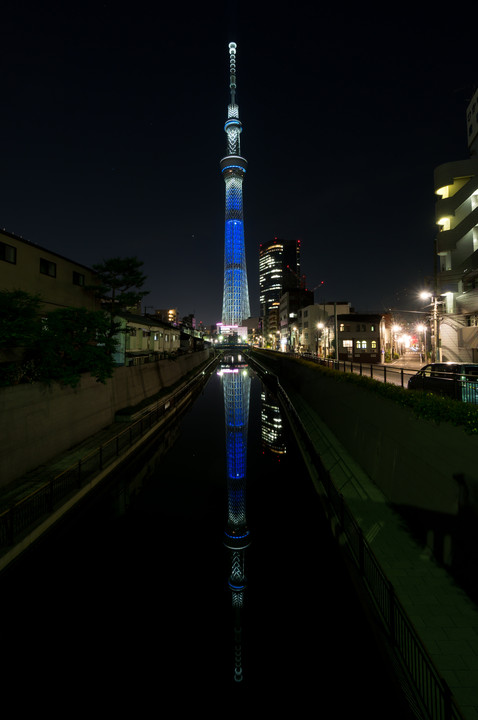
{"points": [[359, 337], [145, 339]]}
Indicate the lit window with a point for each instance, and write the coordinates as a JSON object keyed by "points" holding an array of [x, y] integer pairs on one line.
{"points": [[364, 344], [374, 344], [342, 327], [347, 343]]}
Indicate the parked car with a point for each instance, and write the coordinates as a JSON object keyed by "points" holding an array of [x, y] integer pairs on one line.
{"points": [[457, 380]]}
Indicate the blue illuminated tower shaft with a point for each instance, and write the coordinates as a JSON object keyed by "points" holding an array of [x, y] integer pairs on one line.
{"points": [[235, 304]]}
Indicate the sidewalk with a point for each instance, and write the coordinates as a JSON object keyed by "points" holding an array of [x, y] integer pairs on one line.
{"points": [[444, 617], [15, 491]]}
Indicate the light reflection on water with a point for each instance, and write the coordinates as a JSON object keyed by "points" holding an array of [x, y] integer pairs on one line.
{"points": [[206, 567]]}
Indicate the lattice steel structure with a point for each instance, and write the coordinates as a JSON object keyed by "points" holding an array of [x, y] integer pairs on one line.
{"points": [[235, 304]]}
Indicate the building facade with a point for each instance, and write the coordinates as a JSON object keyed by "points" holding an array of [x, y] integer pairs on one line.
{"points": [[291, 302], [454, 300], [360, 337], [315, 326], [58, 281], [144, 339], [279, 271], [235, 306]]}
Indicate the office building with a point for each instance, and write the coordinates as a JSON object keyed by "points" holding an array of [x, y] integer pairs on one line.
{"points": [[279, 271]]}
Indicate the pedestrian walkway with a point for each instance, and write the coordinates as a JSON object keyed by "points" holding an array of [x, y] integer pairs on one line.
{"points": [[444, 617], [28, 483]]}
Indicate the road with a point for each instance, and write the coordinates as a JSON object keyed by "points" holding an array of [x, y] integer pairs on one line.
{"points": [[396, 373]]}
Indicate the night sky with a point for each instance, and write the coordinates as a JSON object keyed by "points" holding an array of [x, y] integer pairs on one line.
{"points": [[112, 131]]}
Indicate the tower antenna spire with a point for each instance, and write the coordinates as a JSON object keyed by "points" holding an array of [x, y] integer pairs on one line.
{"points": [[232, 71]]}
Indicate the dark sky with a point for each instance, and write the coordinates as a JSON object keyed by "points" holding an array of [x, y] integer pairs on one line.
{"points": [[111, 132]]}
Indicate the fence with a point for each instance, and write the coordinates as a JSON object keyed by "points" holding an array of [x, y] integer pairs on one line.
{"points": [[433, 692], [24, 514], [462, 386]]}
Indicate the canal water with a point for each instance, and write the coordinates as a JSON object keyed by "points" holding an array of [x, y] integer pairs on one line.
{"points": [[204, 579]]}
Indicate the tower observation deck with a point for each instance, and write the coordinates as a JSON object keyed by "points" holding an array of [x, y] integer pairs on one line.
{"points": [[235, 306]]}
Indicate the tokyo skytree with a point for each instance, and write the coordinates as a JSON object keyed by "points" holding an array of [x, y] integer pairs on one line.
{"points": [[235, 304]]}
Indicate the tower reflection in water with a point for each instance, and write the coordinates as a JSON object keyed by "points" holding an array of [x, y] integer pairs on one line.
{"points": [[236, 383]]}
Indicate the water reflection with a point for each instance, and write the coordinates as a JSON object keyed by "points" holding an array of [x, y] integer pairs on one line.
{"points": [[236, 383], [272, 429]]}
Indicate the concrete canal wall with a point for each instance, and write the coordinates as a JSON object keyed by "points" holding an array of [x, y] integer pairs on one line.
{"points": [[413, 461], [38, 422]]}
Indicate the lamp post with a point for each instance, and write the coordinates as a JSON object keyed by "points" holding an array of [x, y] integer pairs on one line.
{"points": [[395, 329], [436, 349], [423, 329], [320, 327]]}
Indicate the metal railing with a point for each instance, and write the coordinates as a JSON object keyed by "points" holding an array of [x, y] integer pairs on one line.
{"points": [[462, 387], [377, 371], [27, 512], [430, 688]]}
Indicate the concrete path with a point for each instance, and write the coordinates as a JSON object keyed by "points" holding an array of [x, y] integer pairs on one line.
{"points": [[444, 617]]}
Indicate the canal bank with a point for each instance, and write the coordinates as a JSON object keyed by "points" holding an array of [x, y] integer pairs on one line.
{"points": [[443, 629], [139, 605], [37, 501], [39, 421]]}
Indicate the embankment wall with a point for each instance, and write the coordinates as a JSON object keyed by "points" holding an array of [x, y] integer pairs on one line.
{"points": [[38, 422], [414, 462]]}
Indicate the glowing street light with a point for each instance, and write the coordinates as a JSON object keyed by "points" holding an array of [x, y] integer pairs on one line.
{"points": [[436, 350], [395, 330], [320, 327], [423, 345]]}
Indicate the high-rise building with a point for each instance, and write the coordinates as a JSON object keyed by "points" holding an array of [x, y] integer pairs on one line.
{"points": [[279, 271], [455, 298], [235, 306]]}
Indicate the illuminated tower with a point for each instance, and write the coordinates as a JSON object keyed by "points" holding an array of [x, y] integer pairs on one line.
{"points": [[235, 304]]}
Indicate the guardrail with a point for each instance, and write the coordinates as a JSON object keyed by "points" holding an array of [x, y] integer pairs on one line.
{"points": [[459, 386], [377, 371], [432, 690], [28, 511]]}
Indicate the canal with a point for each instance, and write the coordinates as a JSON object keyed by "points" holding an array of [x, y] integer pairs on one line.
{"points": [[204, 578]]}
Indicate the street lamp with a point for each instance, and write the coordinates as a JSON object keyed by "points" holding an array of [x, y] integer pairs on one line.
{"points": [[395, 329], [436, 350], [320, 326], [423, 329]]}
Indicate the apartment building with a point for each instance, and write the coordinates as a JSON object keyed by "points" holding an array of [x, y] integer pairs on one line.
{"points": [[58, 281], [456, 294]]}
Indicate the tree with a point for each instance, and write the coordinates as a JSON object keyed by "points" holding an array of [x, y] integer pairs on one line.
{"points": [[74, 341], [58, 347], [19, 325], [119, 285]]}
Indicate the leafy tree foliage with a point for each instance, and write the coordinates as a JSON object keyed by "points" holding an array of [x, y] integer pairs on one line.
{"points": [[120, 282], [19, 325], [74, 341], [59, 347]]}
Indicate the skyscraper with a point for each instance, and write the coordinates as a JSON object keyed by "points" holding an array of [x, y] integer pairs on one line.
{"points": [[279, 271], [235, 306]]}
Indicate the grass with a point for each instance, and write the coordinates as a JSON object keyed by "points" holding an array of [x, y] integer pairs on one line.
{"points": [[425, 405]]}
